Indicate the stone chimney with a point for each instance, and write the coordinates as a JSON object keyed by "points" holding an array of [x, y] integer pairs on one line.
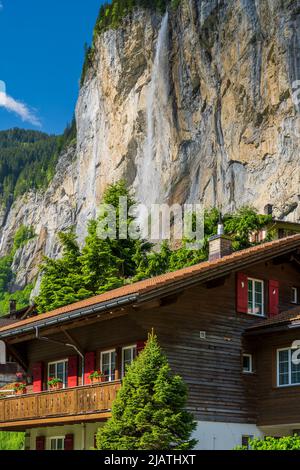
{"points": [[268, 209], [12, 307], [220, 245]]}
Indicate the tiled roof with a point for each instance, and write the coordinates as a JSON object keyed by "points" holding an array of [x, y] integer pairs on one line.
{"points": [[7, 321], [203, 271], [289, 316]]}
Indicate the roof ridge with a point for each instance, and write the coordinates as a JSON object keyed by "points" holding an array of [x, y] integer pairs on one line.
{"points": [[156, 282]]}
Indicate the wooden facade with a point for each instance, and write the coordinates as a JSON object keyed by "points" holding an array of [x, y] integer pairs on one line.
{"points": [[202, 332], [276, 405], [211, 364]]}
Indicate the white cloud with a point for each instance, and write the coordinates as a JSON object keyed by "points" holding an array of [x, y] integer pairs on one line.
{"points": [[21, 109]]}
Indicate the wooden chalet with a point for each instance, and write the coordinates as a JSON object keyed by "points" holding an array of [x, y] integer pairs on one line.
{"points": [[228, 327]]}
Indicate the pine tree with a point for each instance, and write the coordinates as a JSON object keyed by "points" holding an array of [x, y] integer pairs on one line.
{"points": [[101, 265], [149, 411], [62, 281], [124, 249]]}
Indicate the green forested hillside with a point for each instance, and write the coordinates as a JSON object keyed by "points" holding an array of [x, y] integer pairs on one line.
{"points": [[28, 159]]}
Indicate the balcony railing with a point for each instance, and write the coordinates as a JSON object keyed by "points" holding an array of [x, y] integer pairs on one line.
{"points": [[10, 368], [79, 402]]}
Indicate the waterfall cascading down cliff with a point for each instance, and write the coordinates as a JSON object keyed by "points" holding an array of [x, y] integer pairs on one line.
{"points": [[150, 169], [149, 181]]}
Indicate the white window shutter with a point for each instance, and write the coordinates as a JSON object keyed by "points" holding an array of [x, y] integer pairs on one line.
{"points": [[2, 352]]}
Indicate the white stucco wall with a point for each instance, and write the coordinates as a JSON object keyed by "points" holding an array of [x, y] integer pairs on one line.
{"points": [[223, 436], [83, 435], [211, 435]]}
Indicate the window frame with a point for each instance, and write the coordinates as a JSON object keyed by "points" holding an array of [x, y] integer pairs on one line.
{"points": [[248, 437], [55, 438], [262, 282], [250, 356], [132, 346], [290, 384], [294, 297], [108, 351], [65, 361]]}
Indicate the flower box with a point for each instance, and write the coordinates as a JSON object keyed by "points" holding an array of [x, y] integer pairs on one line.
{"points": [[97, 380], [20, 388], [55, 383], [96, 377], [22, 391], [57, 386]]}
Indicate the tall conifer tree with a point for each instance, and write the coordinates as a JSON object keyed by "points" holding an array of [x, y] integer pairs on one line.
{"points": [[149, 412]]}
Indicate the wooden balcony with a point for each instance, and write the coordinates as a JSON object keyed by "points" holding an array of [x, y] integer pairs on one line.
{"points": [[71, 405]]}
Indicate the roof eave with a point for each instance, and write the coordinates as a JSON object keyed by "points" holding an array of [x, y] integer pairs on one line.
{"points": [[70, 316], [264, 329]]}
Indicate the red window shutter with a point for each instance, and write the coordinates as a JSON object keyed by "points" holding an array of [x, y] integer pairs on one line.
{"points": [[242, 293], [73, 371], [140, 345], [40, 443], [69, 442], [89, 366], [273, 298], [37, 372]]}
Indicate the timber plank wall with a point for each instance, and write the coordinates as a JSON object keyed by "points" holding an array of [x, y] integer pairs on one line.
{"points": [[212, 367]]}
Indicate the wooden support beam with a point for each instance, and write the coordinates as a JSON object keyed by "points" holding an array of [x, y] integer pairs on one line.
{"points": [[15, 353], [282, 259], [170, 299], [22, 425], [72, 340], [216, 282], [295, 260], [147, 305]]}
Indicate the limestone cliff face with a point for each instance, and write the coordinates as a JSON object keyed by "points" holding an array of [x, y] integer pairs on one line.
{"points": [[197, 105]]}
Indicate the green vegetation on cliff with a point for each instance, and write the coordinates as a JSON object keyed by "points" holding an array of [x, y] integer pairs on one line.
{"points": [[111, 16], [22, 236], [28, 160]]}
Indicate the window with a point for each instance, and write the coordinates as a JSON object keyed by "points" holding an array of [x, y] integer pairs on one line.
{"points": [[108, 365], [57, 443], [246, 440], [255, 297], [294, 296], [247, 363], [288, 373], [128, 355], [59, 370]]}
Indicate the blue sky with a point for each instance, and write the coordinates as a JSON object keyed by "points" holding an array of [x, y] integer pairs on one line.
{"points": [[41, 55]]}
